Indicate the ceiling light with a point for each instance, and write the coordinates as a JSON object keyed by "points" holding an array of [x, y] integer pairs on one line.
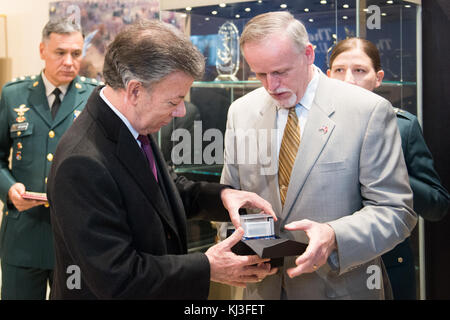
{"points": [[222, 5], [247, 9], [323, 1], [283, 5], [188, 8], [345, 6], [311, 20], [214, 12], [306, 10], [345, 17], [237, 16]]}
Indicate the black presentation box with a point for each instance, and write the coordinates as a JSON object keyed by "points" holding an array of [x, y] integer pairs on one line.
{"points": [[275, 249]]}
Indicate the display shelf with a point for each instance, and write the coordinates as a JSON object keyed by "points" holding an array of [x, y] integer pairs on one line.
{"points": [[227, 84], [253, 84], [398, 83], [201, 169]]}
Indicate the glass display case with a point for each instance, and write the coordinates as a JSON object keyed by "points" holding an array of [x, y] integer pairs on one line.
{"points": [[391, 24]]}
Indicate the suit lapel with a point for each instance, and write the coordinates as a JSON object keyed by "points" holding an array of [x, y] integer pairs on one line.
{"points": [[319, 127], [38, 100], [173, 200], [130, 155], [134, 160]]}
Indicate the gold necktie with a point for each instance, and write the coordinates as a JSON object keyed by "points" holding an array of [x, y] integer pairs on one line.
{"points": [[288, 152]]}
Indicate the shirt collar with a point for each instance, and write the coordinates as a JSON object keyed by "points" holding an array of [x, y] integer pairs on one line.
{"points": [[119, 114], [49, 87], [310, 92]]}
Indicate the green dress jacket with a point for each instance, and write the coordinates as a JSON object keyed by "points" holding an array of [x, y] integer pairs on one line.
{"points": [[28, 131], [431, 202]]}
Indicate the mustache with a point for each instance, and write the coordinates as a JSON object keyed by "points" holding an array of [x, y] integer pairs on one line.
{"points": [[279, 91]]}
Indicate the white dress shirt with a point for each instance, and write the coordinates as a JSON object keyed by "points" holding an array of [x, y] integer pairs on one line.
{"points": [[49, 87]]}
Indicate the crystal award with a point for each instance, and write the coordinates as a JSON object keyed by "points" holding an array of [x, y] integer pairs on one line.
{"points": [[227, 62]]}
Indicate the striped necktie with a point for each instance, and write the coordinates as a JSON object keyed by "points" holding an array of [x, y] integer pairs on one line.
{"points": [[288, 152]]}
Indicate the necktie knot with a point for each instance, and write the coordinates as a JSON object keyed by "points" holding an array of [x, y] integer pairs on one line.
{"points": [[144, 140], [56, 92]]}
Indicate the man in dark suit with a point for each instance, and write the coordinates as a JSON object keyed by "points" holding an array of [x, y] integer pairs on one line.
{"points": [[118, 213], [32, 120]]}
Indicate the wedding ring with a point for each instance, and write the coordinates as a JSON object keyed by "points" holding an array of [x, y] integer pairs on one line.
{"points": [[315, 266]]}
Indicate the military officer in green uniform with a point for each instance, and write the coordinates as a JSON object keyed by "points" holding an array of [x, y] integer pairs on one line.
{"points": [[431, 201], [35, 111]]}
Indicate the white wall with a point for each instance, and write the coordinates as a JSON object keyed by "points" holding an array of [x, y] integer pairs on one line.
{"points": [[25, 20]]}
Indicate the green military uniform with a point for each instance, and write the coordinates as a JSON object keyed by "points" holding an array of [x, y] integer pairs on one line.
{"points": [[431, 202], [27, 126]]}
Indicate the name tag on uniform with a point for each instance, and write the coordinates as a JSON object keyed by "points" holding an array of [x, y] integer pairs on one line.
{"points": [[19, 127]]}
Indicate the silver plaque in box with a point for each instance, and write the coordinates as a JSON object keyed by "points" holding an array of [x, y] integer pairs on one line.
{"points": [[257, 226]]}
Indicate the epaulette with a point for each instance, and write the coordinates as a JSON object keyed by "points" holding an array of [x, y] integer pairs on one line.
{"points": [[91, 81], [21, 79], [403, 113]]}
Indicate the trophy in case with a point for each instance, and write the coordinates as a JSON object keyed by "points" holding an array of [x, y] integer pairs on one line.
{"points": [[227, 62]]}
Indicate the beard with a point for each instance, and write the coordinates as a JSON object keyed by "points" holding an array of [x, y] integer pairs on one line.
{"points": [[286, 102]]}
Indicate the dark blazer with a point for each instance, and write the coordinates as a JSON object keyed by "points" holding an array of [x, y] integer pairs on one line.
{"points": [[26, 237], [431, 202], [125, 232]]}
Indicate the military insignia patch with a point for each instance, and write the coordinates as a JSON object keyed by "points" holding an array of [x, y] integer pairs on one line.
{"points": [[21, 113]]}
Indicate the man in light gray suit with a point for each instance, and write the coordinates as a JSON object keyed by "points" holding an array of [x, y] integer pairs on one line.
{"points": [[348, 194]]}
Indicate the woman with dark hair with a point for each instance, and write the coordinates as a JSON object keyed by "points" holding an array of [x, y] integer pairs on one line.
{"points": [[357, 61]]}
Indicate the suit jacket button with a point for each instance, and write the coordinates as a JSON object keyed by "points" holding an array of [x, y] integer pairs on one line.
{"points": [[51, 134], [400, 259], [50, 157]]}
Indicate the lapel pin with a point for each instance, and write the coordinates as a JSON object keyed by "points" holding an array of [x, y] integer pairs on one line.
{"points": [[76, 113], [324, 129]]}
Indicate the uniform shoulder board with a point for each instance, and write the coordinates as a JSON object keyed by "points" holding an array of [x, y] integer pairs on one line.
{"points": [[20, 79], [91, 81], [404, 114]]}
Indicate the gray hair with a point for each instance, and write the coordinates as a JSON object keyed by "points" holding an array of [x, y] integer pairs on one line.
{"points": [[148, 51], [264, 25], [60, 26]]}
